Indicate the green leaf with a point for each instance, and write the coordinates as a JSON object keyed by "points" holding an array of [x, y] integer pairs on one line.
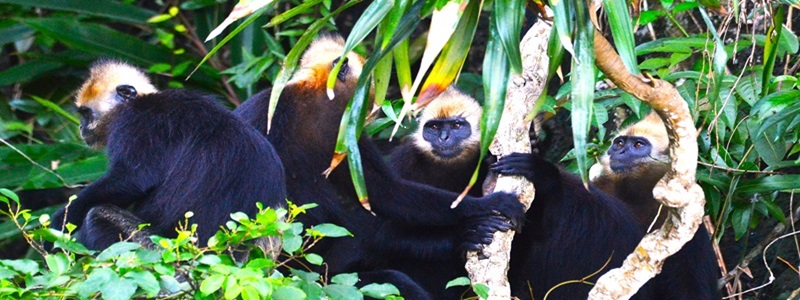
{"points": [[289, 14], [342, 292], [740, 219], [146, 281], [379, 291], [118, 288], [57, 109], [291, 243], [768, 184], [719, 60], [369, 19], [15, 33], [508, 15], [771, 47], [460, 281], [345, 279], [291, 60], [619, 20], [331, 230], [100, 40], [212, 284], [250, 293], [481, 290], [583, 83], [314, 259], [230, 36], [288, 293], [117, 249], [24, 266], [452, 57], [353, 121], [113, 10], [57, 263], [27, 71], [10, 195], [774, 103], [97, 278]]}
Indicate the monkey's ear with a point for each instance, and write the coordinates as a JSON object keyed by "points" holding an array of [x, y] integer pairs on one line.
{"points": [[125, 93]]}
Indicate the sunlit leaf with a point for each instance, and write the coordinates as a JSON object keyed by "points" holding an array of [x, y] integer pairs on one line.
{"points": [[583, 80], [619, 20], [242, 9]]}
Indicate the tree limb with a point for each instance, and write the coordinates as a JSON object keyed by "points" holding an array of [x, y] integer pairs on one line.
{"points": [[677, 190], [491, 267]]}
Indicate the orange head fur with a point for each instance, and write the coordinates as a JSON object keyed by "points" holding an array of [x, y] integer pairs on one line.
{"points": [[98, 95], [318, 59]]}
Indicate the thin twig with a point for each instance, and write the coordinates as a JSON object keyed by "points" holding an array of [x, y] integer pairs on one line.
{"points": [[48, 170], [727, 169]]}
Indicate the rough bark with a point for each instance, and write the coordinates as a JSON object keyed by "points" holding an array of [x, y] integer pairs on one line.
{"points": [[677, 190], [490, 268]]}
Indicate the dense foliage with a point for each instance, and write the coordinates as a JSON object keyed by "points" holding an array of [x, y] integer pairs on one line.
{"points": [[737, 72]]}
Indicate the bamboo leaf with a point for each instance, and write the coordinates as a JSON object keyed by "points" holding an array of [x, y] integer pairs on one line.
{"points": [[621, 29], [304, 7], [57, 109], [113, 10], [508, 16], [583, 76], [452, 58], [370, 19], [352, 122], [771, 49], [562, 18], [100, 40], [496, 69], [290, 63], [227, 38], [27, 71], [444, 22], [720, 59], [242, 9]]}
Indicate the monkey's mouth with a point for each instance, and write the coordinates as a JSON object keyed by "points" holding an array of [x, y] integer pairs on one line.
{"points": [[618, 167], [447, 152]]}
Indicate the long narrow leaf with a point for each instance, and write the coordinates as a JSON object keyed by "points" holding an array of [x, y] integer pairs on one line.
{"points": [[370, 19], [227, 38], [383, 72], [283, 17], [562, 19], [242, 9], [57, 109], [444, 22], [353, 120], [290, 63], [719, 61], [771, 47], [620, 22], [452, 58], [583, 76], [495, 80], [508, 18], [114, 10]]}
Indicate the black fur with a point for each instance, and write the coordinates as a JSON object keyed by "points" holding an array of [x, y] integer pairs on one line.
{"points": [[569, 234], [304, 132], [412, 163], [177, 151]]}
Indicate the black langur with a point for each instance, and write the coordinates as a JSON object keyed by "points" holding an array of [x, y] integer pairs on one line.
{"points": [[570, 232], [444, 150], [169, 152], [304, 131], [637, 159]]}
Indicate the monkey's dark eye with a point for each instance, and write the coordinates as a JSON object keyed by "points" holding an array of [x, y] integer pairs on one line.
{"points": [[456, 125], [619, 142], [85, 112], [638, 145], [434, 126]]}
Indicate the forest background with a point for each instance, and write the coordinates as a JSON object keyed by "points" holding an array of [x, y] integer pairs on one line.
{"points": [[735, 64]]}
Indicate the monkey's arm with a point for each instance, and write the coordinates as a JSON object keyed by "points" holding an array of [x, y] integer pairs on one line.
{"points": [[418, 204], [121, 186]]}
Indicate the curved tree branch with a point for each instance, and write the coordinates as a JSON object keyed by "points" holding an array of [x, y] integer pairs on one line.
{"points": [[677, 190]]}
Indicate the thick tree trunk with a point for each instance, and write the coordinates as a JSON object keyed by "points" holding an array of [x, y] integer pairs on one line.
{"points": [[491, 267]]}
